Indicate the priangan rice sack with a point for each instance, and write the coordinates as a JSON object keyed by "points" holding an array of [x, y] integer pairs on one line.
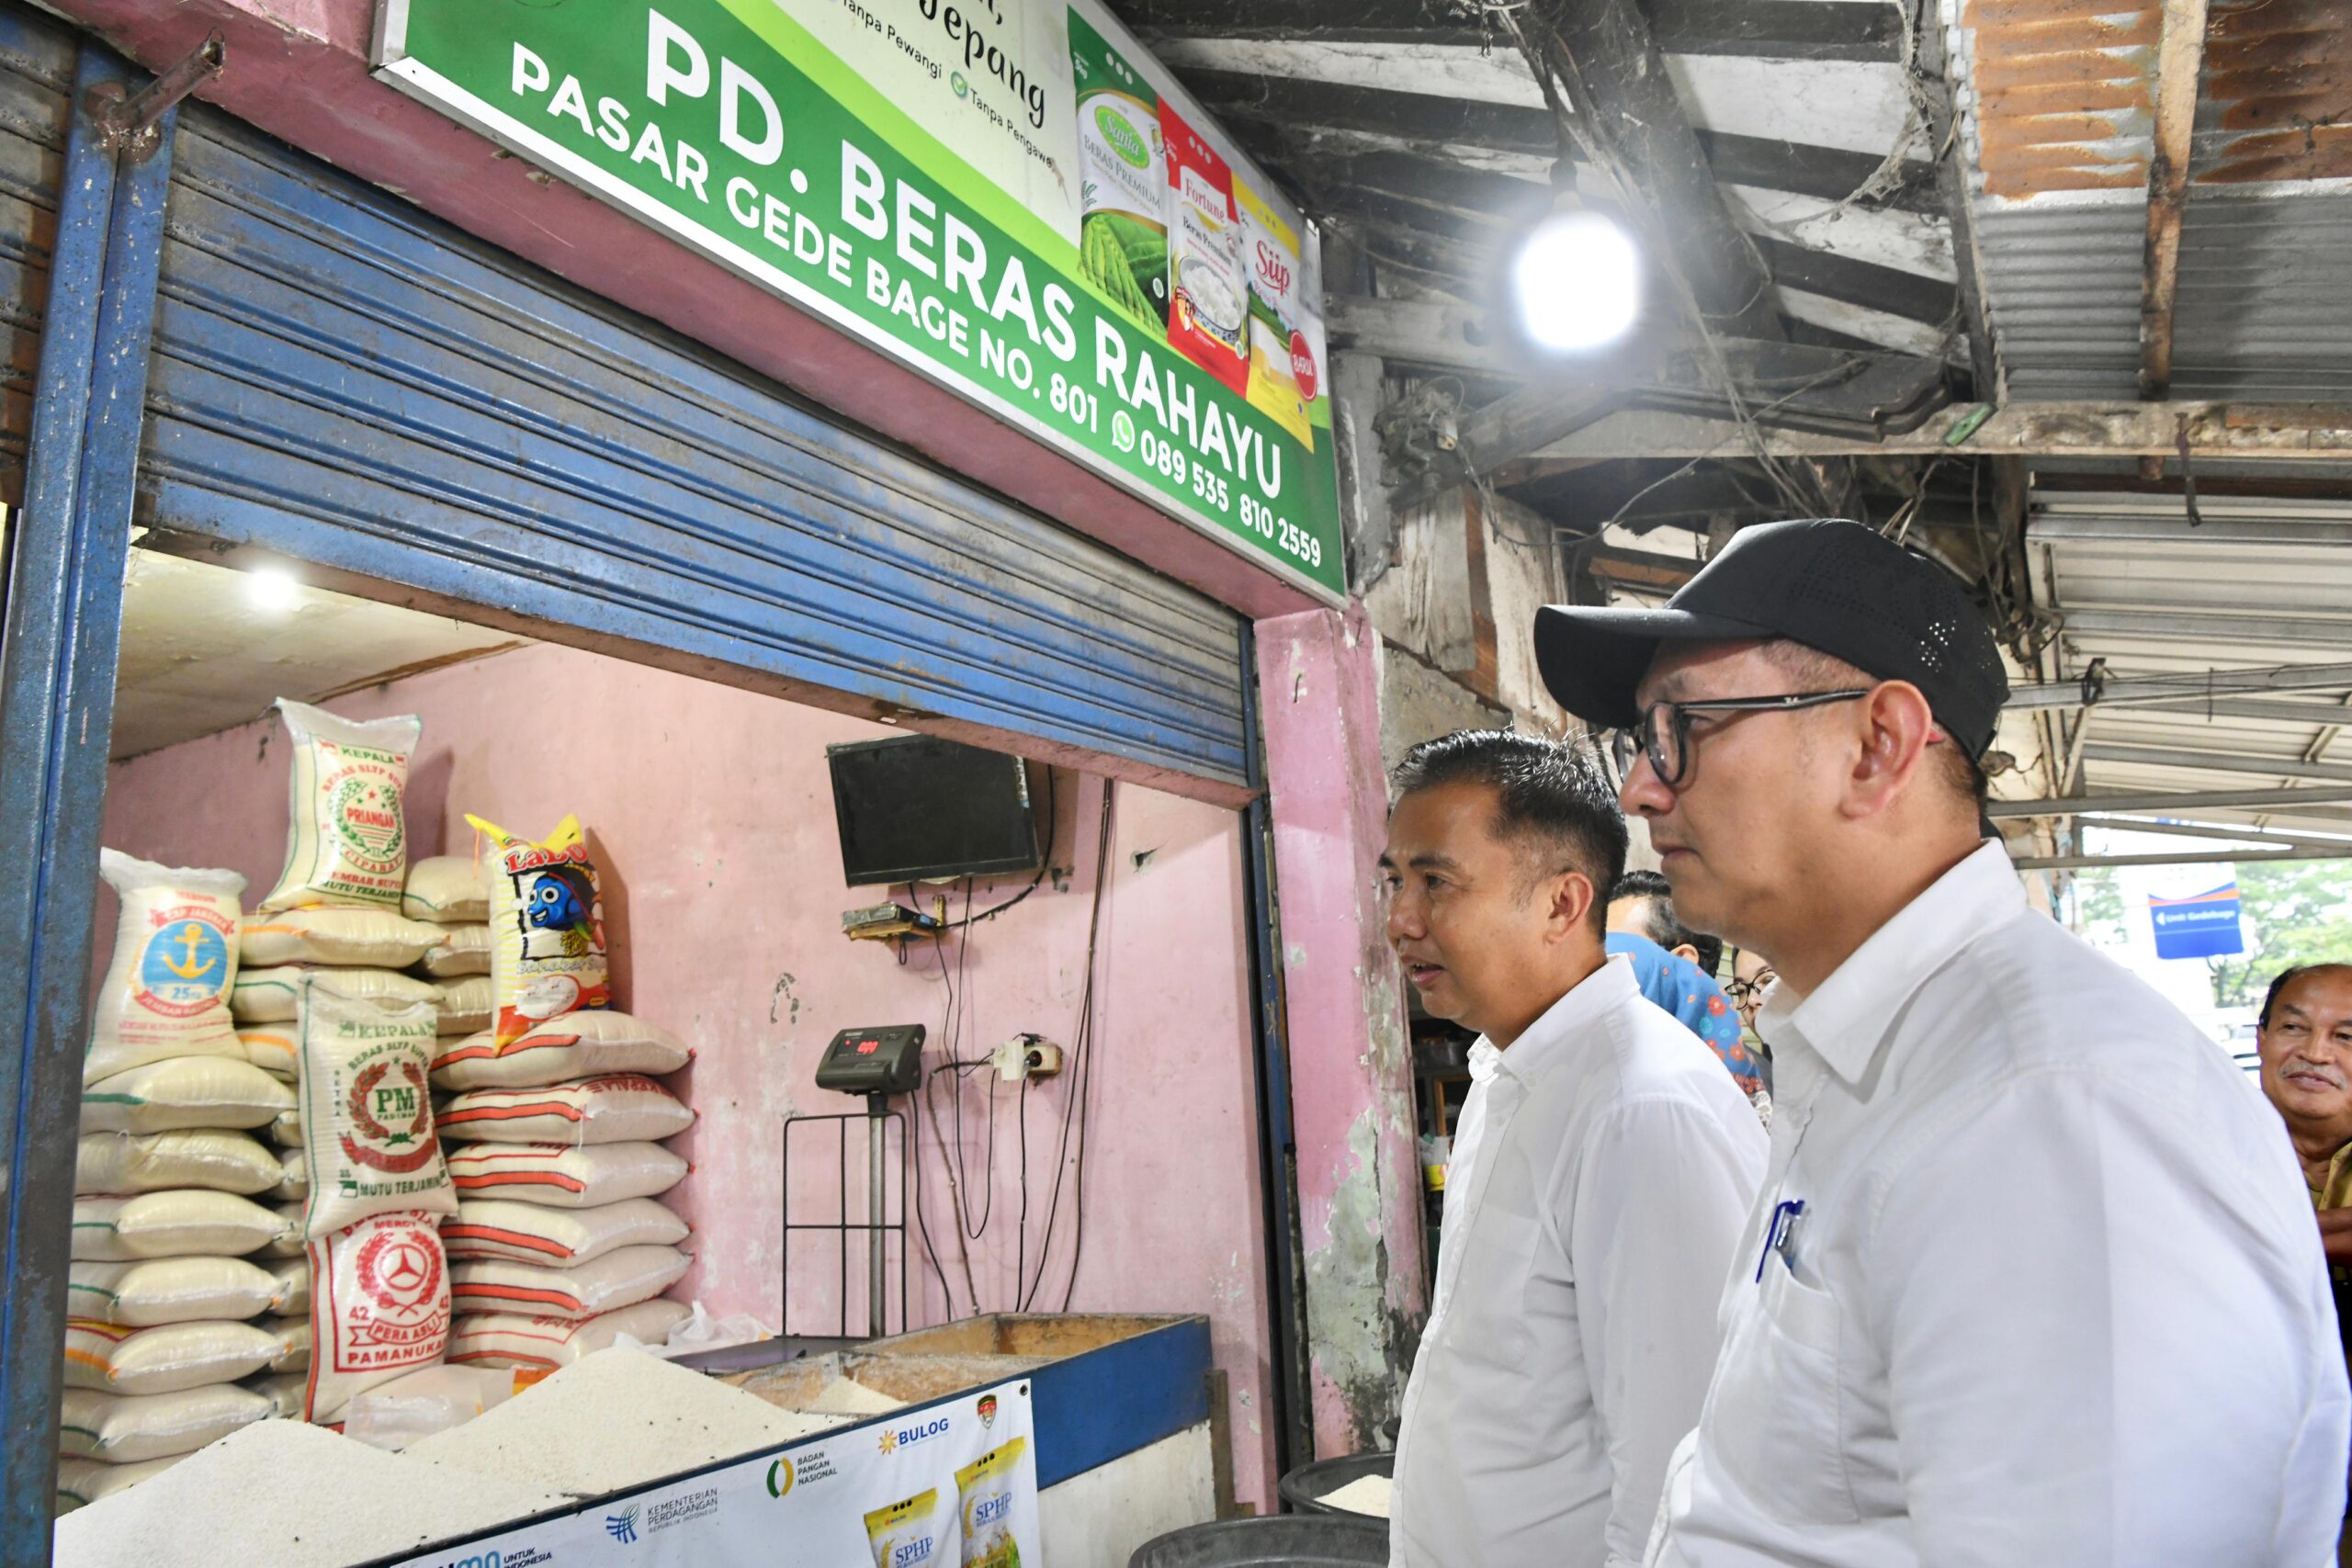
{"points": [[185, 1091], [132, 1428], [619, 1108], [176, 1222], [81, 1482], [580, 1045], [151, 1292], [511, 1339], [174, 961], [347, 833], [448, 890], [547, 922], [620, 1278], [466, 953], [504, 1230], [462, 1007], [562, 1177], [368, 1123], [365, 938], [117, 1164], [162, 1361], [266, 996], [379, 1306]]}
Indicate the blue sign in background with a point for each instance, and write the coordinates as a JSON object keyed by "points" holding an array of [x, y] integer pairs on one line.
{"points": [[2203, 925]]}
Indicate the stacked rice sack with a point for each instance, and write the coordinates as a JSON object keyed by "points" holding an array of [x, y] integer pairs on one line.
{"points": [[173, 1296], [554, 1119]]}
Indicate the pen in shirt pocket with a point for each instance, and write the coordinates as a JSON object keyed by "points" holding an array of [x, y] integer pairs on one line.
{"points": [[1780, 1235]]}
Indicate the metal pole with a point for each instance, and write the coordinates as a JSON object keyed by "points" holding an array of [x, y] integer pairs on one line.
{"points": [[2217, 762], [2327, 794], [2207, 857], [877, 1323], [2213, 831], [2182, 688]]}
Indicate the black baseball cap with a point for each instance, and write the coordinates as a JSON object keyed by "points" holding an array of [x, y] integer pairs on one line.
{"points": [[1834, 586]]}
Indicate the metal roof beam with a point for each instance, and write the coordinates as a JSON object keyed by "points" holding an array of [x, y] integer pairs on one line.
{"points": [[2207, 857], [2118, 529], [2181, 62], [2212, 831], [2260, 710], [2174, 801], [2041, 429], [2171, 626], [2181, 689], [2213, 761]]}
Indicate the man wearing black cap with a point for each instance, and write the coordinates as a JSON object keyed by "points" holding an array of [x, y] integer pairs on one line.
{"points": [[2031, 1279]]}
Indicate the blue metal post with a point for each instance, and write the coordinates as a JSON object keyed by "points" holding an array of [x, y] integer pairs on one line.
{"points": [[58, 646]]}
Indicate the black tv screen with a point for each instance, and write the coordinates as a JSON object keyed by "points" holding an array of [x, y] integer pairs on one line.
{"points": [[913, 807]]}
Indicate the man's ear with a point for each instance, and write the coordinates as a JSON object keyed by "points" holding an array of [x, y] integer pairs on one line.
{"points": [[1573, 897], [1896, 728], [1684, 950]]}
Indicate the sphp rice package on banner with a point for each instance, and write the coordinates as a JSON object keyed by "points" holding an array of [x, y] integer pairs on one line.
{"points": [[379, 1306], [346, 833], [546, 925], [369, 1140], [166, 990]]}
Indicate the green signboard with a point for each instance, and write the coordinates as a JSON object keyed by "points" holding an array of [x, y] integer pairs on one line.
{"points": [[1006, 195]]}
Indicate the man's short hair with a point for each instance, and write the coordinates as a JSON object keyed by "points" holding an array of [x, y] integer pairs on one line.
{"points": [[1551, 797], [1660, 923], [2278, 984], [1960, 770]]}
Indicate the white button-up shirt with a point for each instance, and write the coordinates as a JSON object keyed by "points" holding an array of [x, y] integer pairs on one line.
{"points": [[2055, 1299], [1601, 1170]]}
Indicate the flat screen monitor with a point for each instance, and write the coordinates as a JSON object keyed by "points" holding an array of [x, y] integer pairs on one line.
{"points": [[916, 809]]}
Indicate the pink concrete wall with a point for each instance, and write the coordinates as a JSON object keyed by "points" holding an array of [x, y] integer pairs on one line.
{"points": [[712, 814]]}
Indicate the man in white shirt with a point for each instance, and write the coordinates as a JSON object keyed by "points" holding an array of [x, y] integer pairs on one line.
{"points": [[2032, 1278], [1602, 1169]]}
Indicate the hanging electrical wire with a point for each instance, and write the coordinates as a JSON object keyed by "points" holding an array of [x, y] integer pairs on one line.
{"points": [[1080, 1077]]}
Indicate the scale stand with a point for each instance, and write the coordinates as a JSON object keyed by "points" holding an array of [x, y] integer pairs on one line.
{"points": [[874, 1064]]}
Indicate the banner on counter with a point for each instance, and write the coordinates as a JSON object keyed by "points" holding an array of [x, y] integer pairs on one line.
{"points": [[2201, 925], [1009, 196], [952, 1483]]}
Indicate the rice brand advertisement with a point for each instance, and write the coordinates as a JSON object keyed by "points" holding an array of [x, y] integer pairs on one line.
{"points": [[1007, 196], [949, 1486]]}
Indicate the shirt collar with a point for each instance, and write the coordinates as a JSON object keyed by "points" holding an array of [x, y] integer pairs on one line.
{"points": [[1611, 985], [1844, 1021]]}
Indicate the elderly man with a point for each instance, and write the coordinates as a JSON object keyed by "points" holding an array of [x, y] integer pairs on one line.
{"points": [[2306, 1045], [2031, 1279], [1602, 1169]]}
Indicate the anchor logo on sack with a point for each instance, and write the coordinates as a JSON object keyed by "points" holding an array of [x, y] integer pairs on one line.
{"points": [[185, 962], [406, 1123]]}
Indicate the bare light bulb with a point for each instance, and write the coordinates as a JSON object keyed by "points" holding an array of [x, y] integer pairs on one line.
{"points": [[272, 589], [1577, 281]]}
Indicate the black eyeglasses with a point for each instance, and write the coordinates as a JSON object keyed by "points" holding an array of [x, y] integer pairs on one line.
{"points": [[1663, 730], [1742, 992]]}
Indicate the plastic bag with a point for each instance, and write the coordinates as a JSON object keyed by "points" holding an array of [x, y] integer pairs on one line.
{"points": [[122, 1163], [151, 1292], [435, 1399], [368, 1111], [547, 1343], [546, 920], [174, 961], [379, 1307], [186, 1091], [619, 1278], [697, 1332], [365, 938], [347, 831], [565, 1177], [447, 890], [467, 953], [580, 1045], [504, 1230], [162, 1361], [176, 1223], [267, 996], [618, 1108], [132, 1428]]}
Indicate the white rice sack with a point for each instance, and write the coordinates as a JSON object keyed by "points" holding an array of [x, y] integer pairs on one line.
{"points": [[379, 1306], [504, 1230], [547, 922], [153, 1292], [466, 952], [368, 1111], [130, 1428], [565, 1177], [289, 1285], [449, 890], [293, 1334], [509, 1339], [81, 1482], [577, 1046], [365, 938], [174, 961], [617, 1109], [347, 831], [287, 1392], [266, 996], [286, 1129], [619, 1278], [293, 1178], [288, 1242], [186, 1091], [162, 1361], [121, 1163], [270, 1047], [462, 1007], [176, 1222]]}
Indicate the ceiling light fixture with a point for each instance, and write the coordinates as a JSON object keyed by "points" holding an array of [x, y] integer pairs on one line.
{"points": [[1576, 277], [273, 589]]}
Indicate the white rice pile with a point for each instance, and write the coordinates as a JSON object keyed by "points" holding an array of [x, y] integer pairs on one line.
{"points": [[1364, 1494], [847, 1396], [614, 1419], [292, 1495]]}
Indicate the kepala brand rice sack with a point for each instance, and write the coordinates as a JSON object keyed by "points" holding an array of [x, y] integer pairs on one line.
{"points": [[618, 1278], [562, 1177], [508, 1339], [984, 1490], [621, 1108], [167, 985], [379, 1306], [267, 996], [81, 1482], [579, 1045], [466, 953], [366, 1112], [153, 1292], [462, 1007], [270, 1047], [504, 1230], [162, 1361], [448, 890], [178, 1223], [367, 938], [186, 1091], [547, 922], [347, 833], [130, 1428], [123, 1163]]}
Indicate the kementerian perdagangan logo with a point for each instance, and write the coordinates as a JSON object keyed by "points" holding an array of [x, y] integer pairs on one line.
{"points": [[622, 1527]]}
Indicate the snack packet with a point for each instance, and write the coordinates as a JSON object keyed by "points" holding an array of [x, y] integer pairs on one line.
{"points": [[547, 922]]}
